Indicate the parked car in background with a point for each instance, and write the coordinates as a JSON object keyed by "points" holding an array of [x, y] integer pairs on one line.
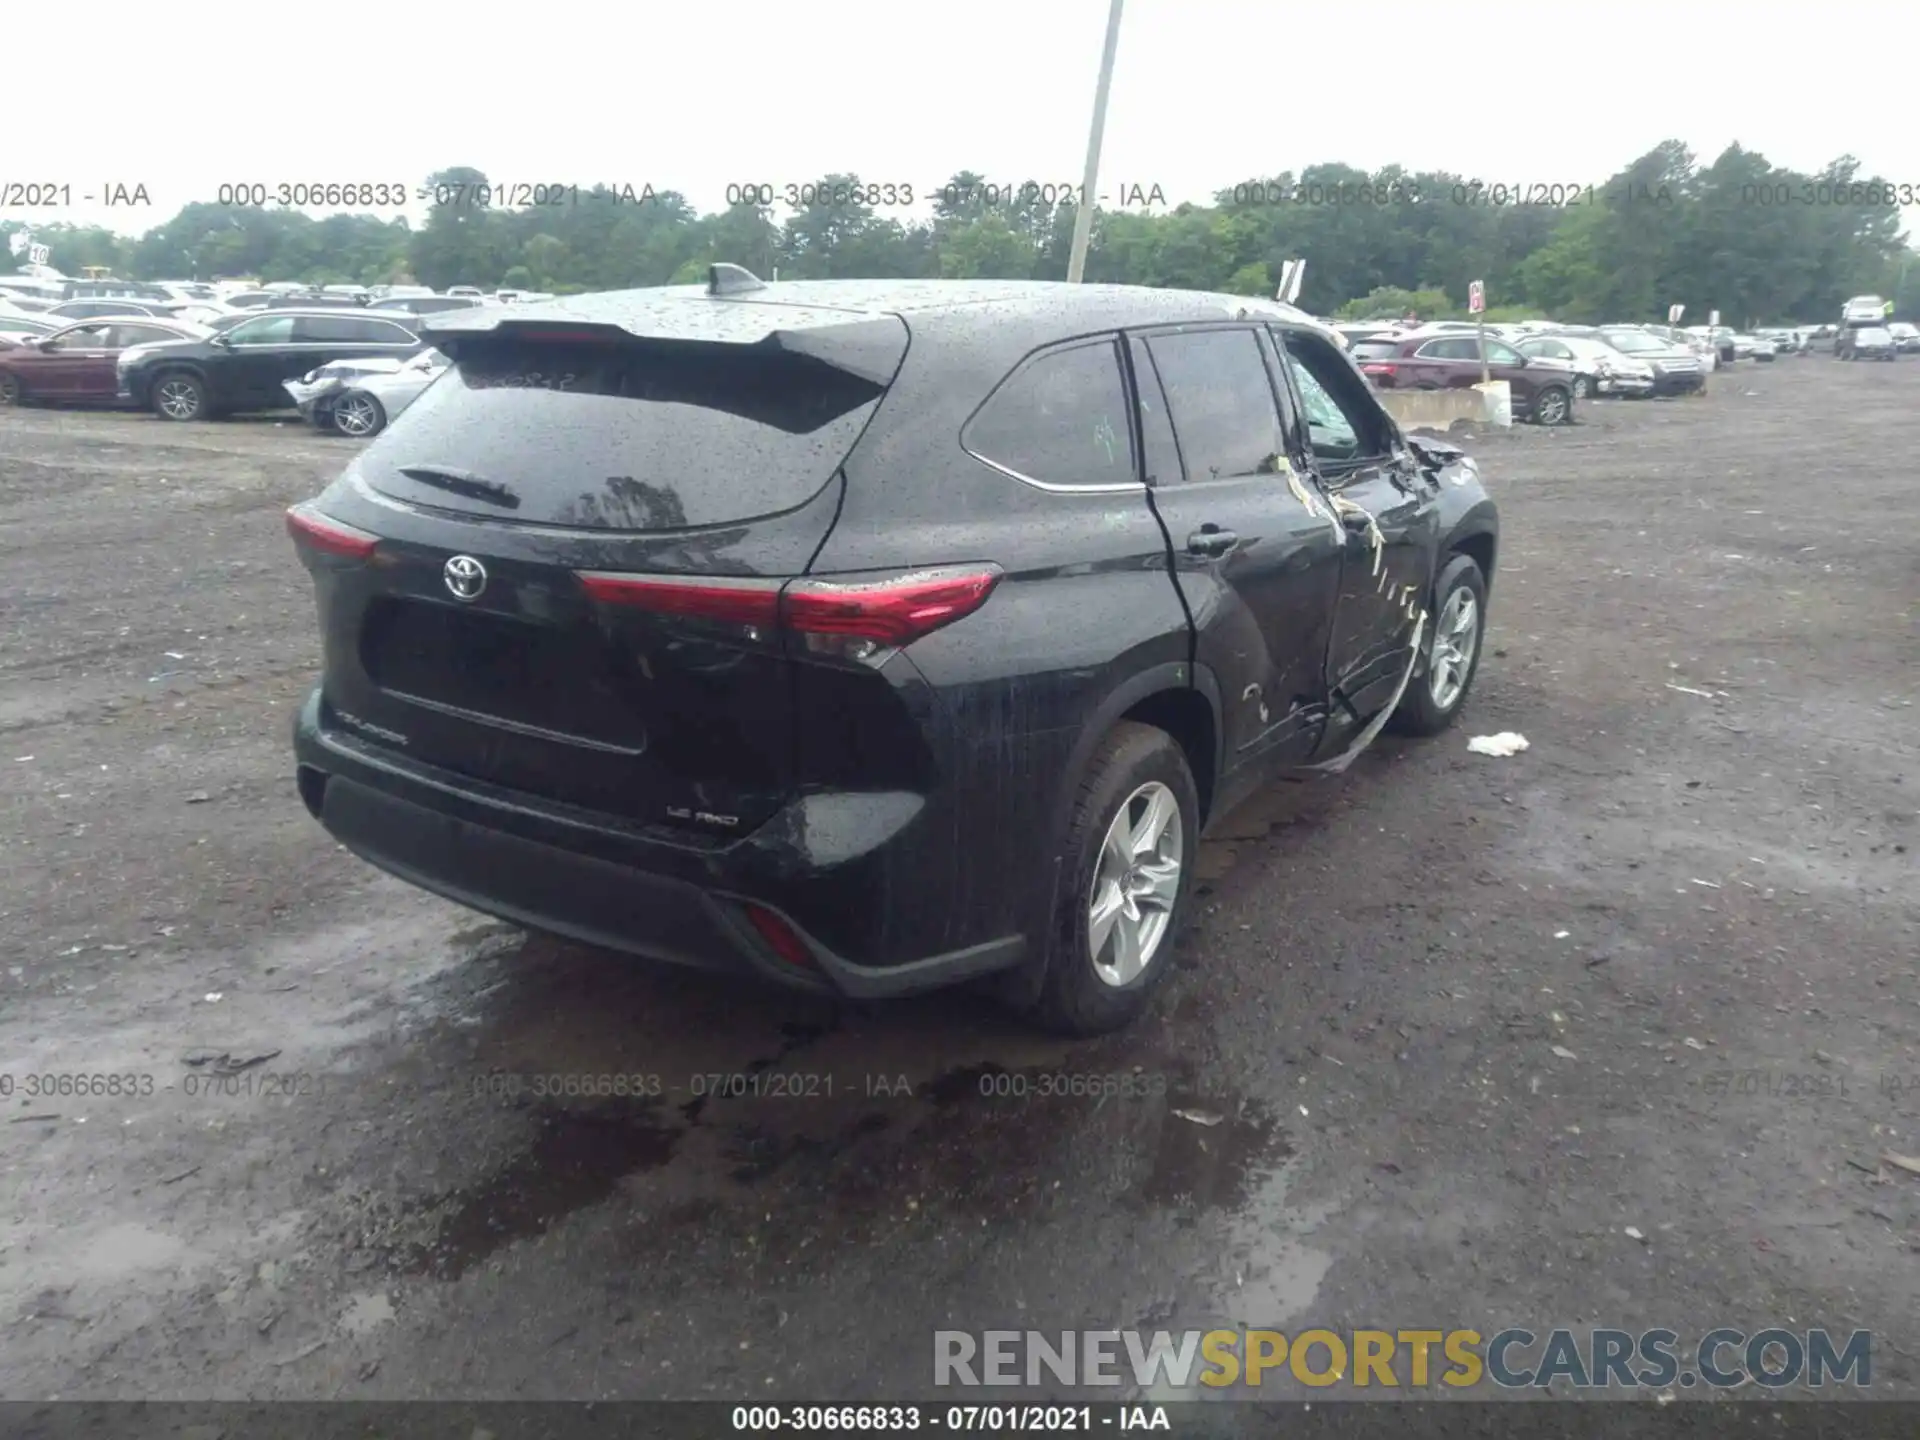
{"points": [[247, 367], [18, 325], [360, 398], [1758, 347], [473, 292], [845, 547], [1701, 347], [1864, 310], [1598, 368], [1542, 389], [76, 365], [1868, 342], [248, 299], [1676, 369], [1906, 336], [427, 304], [98, 309]]}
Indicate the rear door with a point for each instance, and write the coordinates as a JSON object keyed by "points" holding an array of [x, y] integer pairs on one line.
{"points": [[1256, 568], [248, 368], [1387, 565], [585, 535]]}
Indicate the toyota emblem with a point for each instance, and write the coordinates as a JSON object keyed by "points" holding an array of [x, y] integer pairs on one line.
{"points": [[466, 577]]}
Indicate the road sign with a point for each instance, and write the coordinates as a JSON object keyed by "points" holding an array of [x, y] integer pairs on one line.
{"points": [[1476, 297], [1292, 273], [38, 254], [1674, 312], [1713, 318]]}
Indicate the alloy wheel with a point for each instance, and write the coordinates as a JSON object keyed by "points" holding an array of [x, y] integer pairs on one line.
{"points": [[356, 415], [1136, 884], [1552, 408], [179, 399], [1456, 638]]}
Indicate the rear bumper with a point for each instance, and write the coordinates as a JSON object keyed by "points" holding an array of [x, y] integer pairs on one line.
{"points": [[608, 887]]}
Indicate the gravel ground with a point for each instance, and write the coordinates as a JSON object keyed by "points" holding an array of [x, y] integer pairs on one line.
{"points": [[1462, 1021]]}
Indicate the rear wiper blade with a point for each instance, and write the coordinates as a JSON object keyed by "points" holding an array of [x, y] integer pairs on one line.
{"points": [[461, 483]]}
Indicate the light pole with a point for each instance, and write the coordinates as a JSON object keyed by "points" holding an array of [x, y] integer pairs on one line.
{"points": [[1090, 181]]}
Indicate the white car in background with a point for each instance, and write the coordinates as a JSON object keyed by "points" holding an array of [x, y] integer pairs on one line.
{"points": [[360, 398]]}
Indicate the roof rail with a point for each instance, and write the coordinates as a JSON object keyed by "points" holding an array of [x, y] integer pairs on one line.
{"points": [[732, 280]]}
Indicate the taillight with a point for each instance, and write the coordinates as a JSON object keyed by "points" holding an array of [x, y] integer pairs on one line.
{"points": [[314, 531], [894, 611], [1377, 369], [851, 616]]}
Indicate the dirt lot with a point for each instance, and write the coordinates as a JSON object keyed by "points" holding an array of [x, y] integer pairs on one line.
{"points": [[1464, 1021]]}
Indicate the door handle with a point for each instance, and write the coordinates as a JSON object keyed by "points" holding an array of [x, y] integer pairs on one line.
{"points": [[1211, 540]]}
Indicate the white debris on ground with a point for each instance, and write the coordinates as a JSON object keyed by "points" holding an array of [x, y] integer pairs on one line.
{"points": [[1506, 743]]}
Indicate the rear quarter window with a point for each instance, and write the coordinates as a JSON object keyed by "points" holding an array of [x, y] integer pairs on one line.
{"points": [[1059, 419]]}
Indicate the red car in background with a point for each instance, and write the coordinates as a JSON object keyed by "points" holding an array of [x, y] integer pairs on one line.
{"points": [[76, 366], [1542, 390]]}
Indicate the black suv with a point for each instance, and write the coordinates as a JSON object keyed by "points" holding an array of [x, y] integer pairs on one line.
{"points": [[873, 635], [247, 366]]}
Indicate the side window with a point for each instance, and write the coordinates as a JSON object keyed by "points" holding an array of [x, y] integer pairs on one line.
{"points": [[385, 332], [1059, 419], [267, 330], [86, 337], [1162, 454], [1454, 347], [125, 335], [1221, 401], [1498, 354], [328, 330], [1344, 422]]}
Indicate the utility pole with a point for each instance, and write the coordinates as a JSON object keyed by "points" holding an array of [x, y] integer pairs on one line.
{"points": [[1090, 180]]}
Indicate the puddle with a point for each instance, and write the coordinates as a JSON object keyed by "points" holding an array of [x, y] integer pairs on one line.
{"points": [[1197, 1167], [578, 1159]]}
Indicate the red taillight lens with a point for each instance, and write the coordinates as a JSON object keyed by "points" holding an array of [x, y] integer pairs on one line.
{"points": [[780, 937], [890, 611], [1376, 369], [738, 602], [893, 611], [314, 531]]}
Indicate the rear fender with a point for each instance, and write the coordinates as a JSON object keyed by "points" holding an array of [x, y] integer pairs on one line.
{"points": [[1022, 985]]}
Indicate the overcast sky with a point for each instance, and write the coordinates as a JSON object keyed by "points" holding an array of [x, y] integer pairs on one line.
{"points": [[693, 97]]}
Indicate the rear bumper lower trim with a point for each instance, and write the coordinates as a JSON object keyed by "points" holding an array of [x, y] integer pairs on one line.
{"points": [[463, 846]]}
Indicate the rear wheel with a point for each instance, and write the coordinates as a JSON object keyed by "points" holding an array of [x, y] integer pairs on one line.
{"points": [[1552, 406], [1451, 656], [11, 392], [178, 395], [1130, 851], [358, 414]]}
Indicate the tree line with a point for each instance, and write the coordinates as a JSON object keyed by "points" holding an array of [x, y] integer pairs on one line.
{"points": [[1755, 241]]}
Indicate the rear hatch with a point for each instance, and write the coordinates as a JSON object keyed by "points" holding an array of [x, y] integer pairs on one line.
{"points": [[583, 534]]}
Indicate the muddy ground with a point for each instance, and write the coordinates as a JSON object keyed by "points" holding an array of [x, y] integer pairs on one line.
{"points": [[1463, 1020]]}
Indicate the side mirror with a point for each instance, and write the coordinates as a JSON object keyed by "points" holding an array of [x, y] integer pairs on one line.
{"points": [[223, 340]]}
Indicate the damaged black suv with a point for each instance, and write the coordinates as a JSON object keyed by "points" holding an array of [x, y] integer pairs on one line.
{"points": [[873, 636]]}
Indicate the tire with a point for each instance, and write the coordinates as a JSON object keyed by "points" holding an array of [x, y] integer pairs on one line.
{"points": [[12, 392], [1582, 388], [1135, 768], [1552, 406], [358, 415], [1422, 711], [179, 395]]}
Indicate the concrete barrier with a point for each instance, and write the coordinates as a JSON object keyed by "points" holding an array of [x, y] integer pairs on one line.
{"points": [[1434, 409]]}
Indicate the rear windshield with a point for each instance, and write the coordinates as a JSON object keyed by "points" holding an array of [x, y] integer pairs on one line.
{"points": [[643, 436]]}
